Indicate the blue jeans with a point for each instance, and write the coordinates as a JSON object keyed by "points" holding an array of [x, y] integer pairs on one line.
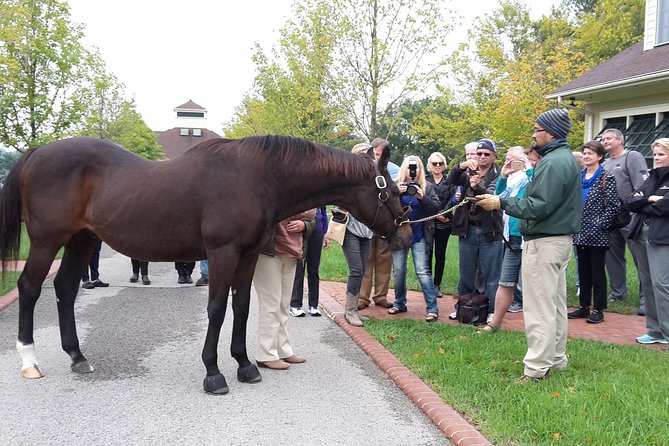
{"points": [[476, 250], [421, 262], [204, 268], [356, 251]]}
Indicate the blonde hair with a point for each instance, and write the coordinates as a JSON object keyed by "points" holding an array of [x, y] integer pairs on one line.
{"points": [[662, 143], [435, 157], [403, 175], [363, 147]]}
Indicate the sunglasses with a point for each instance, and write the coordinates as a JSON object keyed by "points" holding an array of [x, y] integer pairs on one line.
{"points": [[483, 154], [437, 164]]}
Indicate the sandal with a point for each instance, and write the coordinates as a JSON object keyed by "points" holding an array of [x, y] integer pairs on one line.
{"points": [[488, 328], [395, 310], [431, 317]]}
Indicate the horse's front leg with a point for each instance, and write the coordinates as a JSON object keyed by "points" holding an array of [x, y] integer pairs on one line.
{"points": [[241, 297], [215, 382], [30, 287], [219, 286]]}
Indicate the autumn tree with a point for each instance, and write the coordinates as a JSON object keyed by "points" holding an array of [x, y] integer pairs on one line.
{"points": [[42, 65]]}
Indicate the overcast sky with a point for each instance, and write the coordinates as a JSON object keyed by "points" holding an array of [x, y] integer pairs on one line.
{"points": [[169, 52]]}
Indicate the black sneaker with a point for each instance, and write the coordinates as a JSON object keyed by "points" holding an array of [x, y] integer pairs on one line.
{"points": [[88, 285], [181, 279], [146, 280], [202, 281], [134, 278], [595, 317], [189, 279], [580, 313], [99, 283]]}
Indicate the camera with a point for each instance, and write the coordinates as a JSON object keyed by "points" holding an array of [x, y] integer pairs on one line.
{"points": [[412, 186]]}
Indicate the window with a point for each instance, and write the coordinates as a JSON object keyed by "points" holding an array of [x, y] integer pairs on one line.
{"points": [[662, 20], [615, 123], [183, 114], [183, 132], [197, 132], [639, 135]]}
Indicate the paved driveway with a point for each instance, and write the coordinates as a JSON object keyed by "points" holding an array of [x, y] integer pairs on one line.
{"points": [[145, 344]]}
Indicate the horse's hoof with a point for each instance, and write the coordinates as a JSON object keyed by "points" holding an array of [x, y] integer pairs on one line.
{"points": [[82, 367], [249, 374], [32, 373], [216, 384]]}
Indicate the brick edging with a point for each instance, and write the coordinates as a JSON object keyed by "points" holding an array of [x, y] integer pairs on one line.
{"points": [[450, 422], [10, 297]]}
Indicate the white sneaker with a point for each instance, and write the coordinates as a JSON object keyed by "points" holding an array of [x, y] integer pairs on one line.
{"points": [[296, 312], [314, 311], [489, 320], [453, 316]]}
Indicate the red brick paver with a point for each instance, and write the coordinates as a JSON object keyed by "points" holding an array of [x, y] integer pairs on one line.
{"points": [[617, 329]]}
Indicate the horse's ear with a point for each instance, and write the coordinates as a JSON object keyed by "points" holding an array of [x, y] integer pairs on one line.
{"points": [[385, 153]]}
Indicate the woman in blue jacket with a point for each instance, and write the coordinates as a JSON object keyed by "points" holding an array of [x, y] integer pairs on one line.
{"points": [[421, 197]]}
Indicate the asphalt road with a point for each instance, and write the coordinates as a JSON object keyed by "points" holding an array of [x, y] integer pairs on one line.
{"points": [[145, 343]]}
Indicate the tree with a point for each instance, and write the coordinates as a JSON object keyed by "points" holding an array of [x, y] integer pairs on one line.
{"points": [[390, 51], [608, 28], [129, 130], [290, 95], [42, 65]]}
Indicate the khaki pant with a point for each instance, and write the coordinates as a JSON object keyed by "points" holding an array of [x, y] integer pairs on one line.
{"points": [[273, 280], [379, 264], [544, 269]]}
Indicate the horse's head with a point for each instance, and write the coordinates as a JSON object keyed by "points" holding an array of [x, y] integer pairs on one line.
{"points": [[379, 204]]}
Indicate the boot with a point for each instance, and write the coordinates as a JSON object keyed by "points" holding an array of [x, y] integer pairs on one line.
{"points": [[351, 314]]}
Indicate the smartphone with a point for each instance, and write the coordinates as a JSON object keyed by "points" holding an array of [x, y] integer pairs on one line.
{"points": [[517, 165], [472, 198]]}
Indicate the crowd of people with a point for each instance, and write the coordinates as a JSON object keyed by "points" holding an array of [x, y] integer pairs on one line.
{"points": [[517, 222]]}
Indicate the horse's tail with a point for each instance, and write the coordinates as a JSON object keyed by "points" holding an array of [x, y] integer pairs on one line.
{"points": [[10, 216]]}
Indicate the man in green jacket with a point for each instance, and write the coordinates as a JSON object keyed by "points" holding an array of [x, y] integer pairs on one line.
{"points": [[549, 213]]}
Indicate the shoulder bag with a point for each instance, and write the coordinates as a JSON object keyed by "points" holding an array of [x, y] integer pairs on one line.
{"points": [[337, 226], [623, 217]]}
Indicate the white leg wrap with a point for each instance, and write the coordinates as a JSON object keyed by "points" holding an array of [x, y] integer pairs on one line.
{"points": [[27, 354]]}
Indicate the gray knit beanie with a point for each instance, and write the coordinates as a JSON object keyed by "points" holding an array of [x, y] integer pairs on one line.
{"points": [[556, 122]]}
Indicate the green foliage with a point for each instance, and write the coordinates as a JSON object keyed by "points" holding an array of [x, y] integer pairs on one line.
{"points": [[603, 398], [7, 161], [42, 65], [129, 131], [608, 28], [291, 95]]}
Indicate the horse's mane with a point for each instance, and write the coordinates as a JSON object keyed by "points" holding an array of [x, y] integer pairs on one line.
{"points": [[287, 150]]}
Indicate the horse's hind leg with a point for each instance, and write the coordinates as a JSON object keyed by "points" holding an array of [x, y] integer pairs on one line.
{"points": [[241, 297], [75, 259], [30, 287]]}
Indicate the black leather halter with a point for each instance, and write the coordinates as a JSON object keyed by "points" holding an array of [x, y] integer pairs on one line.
{"points": [[384, 195]]}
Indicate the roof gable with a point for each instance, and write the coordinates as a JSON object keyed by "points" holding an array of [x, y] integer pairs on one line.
{"points": [[190, 105]]}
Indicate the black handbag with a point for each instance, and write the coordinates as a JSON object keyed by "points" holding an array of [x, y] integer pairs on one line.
{"points": [[623, 217]]}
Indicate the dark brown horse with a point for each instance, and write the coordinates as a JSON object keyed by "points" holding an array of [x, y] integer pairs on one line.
{"points": [[220, 201]]}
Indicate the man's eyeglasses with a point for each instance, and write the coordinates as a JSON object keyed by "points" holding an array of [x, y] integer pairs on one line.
{"points": [[536, 130], [483, 154], [437, 164]]}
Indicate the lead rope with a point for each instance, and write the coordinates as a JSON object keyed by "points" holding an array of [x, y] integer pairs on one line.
{"points": [[446, 211]]}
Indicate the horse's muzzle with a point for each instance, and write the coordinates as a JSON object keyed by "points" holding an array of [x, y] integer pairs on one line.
{"points": [[401, 239]]}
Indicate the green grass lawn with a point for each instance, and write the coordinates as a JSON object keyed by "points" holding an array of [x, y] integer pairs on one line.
{"points": [[609, 394], [334, 268]]}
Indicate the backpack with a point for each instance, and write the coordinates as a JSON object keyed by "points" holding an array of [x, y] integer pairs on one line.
{"points": [[472, 309]]}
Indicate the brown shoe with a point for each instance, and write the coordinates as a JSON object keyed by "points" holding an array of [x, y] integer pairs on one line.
{"points": [[362, 304], [277, 364], [294, 359], [383, 303]]}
